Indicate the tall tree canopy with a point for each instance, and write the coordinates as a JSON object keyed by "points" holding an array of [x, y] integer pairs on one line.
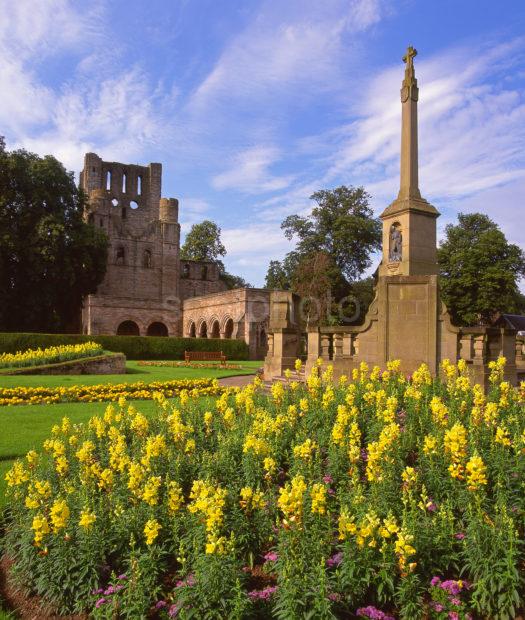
{"points": [[338, 238], [479, 270], [341, 225], [203, 243], [49, 257]]}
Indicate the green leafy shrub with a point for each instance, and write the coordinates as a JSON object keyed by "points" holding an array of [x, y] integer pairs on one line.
{"points": [[133, 347]]}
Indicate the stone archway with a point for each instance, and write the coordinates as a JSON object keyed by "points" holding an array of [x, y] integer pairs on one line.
{"points": [[128, 328], [203, 330], [228, 328], [192, 330], [215, 329], [157, 329]]}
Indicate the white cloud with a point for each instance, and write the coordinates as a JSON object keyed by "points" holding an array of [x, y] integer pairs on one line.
{"points": [[280, 51], [192, 211], [250, 172]]}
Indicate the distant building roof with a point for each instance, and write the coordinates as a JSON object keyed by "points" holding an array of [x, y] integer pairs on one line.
{"points": [[513, 321]]}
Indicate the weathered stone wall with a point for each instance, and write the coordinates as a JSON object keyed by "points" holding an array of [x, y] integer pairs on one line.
{"points": [[238, 313], [145, 280], [199, 278], [142, 278]]}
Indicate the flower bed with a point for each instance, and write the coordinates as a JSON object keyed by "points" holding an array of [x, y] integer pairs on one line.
{"points": [[216, 366], [380, 498], [139, 390], [50, 355]]}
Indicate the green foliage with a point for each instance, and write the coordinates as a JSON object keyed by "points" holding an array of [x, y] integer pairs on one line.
{"points": [[341, 225], [232, 281], [334, 247], [276, 276], [46, 248], [133, 347], [479, 270], [203, 243]]}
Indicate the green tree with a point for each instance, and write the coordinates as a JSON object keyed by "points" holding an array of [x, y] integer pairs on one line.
{"points": [[341, 225], [479, 270], [276, 276], [203, 242], [334, 247], [50, 258]]}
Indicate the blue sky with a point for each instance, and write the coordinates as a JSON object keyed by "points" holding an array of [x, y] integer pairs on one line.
{"points": [[253, 105]]}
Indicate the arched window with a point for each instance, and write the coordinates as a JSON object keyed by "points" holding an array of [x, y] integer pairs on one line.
{"points": [[120, 255], [139, 185], [157, 329], [215, 330], [108, 180], [228, 328], [128, 328], [124, 182], [192, 332], [146, 259]]}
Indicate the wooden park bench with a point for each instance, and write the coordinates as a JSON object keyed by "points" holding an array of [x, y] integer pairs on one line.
{"points": [[204, 356]]}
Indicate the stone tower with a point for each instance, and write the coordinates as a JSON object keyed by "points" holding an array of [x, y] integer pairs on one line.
{"points": [[140, 291]]}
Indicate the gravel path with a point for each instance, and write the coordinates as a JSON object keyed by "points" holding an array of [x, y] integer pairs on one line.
{"points": [[239, 381]]}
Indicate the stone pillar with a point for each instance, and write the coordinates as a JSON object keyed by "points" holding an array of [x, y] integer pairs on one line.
{"points": [[285, 334]]}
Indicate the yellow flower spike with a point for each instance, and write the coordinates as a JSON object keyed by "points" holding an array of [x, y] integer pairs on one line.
{"points": [[175, 497], [502, 436], [298, 365], [318, 495], [305, 450], [151, 531], [87, 518], [59, 515], [475, 473]]}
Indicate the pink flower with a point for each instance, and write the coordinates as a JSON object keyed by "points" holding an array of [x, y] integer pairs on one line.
{"points": [[100, 602], [271, 556], [335, 560], [459, 536], [328, 479]]}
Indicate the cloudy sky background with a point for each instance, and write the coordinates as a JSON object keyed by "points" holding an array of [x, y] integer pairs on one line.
{"points": [[252, 106]]}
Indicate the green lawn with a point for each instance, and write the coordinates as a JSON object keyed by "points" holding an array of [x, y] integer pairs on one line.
{"points": [[135, 372]]}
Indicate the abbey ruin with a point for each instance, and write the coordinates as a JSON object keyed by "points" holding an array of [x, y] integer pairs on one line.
{"points": [[148, 290]]}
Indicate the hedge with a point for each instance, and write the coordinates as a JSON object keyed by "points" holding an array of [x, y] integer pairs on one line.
{"points": [[133, 347]]}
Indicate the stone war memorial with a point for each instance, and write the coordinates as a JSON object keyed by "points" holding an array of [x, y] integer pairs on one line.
{"points": [[407, 319]]}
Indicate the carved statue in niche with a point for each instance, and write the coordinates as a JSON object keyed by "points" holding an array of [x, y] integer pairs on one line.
{"points": [[147, 259], [186, 271], [120, 256], [395, 244]]}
